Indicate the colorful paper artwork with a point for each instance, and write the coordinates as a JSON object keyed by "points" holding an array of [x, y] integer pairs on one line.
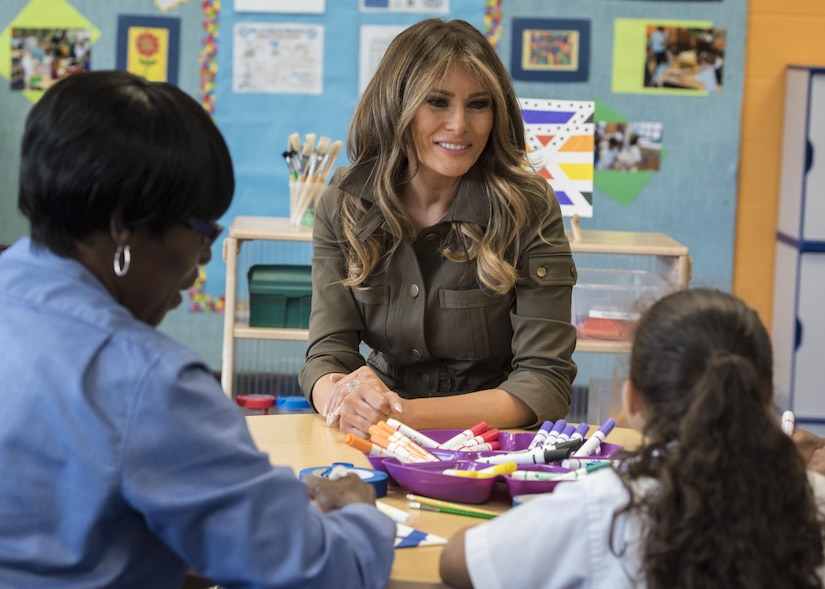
{"points": [[41, 57], [149, 46], [409, 537], [622, 178], [492, 22], [546, 50], [560, 144], [685, 58], [208, 57], [673, 57], [44, 19], [165, 5]]}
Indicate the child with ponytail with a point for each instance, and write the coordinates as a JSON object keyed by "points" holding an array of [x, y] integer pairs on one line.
{"points": [[717, 495]]}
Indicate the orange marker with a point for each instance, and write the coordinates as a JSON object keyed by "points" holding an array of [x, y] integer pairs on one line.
{"points": [[394, 437], [377, 447], [400, 451]]}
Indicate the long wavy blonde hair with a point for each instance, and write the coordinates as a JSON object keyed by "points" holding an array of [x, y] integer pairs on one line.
{"points": [[380, 140]]}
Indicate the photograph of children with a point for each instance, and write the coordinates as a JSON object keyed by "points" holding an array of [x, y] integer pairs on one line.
{"points": [[629, 147], [550, 50], [684, 58], [41, 57]]}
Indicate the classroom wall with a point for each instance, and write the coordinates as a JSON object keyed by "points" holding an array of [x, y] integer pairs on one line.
{"points": [[779, 33]]}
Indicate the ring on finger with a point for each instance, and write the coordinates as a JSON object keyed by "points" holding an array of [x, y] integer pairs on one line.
{"points": [[351, 385]]}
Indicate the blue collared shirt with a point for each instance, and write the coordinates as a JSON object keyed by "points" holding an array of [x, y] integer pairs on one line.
{"points": [[124, 463]]}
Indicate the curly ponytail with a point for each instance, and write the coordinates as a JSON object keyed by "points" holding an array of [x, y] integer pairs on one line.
{"points": [[733, 507]]}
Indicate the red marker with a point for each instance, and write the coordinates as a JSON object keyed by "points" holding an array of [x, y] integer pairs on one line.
{"points": [[467, 434], [488, 436]]}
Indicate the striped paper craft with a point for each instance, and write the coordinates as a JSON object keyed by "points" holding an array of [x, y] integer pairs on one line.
{"points": [[560, 142]]}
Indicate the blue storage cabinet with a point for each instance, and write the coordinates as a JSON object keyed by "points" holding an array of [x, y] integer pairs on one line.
{"points": [[798, 328]]}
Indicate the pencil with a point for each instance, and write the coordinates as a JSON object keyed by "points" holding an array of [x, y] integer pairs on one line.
{"points": [[454, 511], [474, 512]]}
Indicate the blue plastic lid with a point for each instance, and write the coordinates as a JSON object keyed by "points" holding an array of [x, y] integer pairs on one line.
{"points": [[293, 402]]}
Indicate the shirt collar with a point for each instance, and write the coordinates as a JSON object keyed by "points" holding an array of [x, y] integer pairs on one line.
{"points": [[471, 204]]}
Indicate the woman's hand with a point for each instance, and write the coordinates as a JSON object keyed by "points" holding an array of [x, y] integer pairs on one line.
{"points": [[358, 400]]}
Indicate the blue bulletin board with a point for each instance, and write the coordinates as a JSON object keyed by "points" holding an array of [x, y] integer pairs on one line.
{"points": [[257, 125], [688, 189]]}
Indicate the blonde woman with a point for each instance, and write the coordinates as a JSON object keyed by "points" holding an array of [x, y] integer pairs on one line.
{"points": [[441, 251]]}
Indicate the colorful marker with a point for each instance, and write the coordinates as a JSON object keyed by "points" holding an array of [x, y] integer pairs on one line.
{"points": [[554, 432], [575, 463], [594, 442], [573, 475], [534, 456], [467, 434], [494, 445], [382, 430], [368, 447], [565, 434], [541, 435], [580, 432], [489, 436], [485, 473], [414, 435], [788, 422]]}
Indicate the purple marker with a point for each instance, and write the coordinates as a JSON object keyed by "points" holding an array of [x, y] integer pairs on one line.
{"points": [[541, 435], [565, 434], [557, 428], [595, 441], [580, 432]]}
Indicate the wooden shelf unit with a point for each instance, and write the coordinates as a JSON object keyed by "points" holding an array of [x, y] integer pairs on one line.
{"points": [[673, 262]]}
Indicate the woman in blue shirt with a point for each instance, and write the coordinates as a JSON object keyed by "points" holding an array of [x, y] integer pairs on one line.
{"points": [[125, 462]]}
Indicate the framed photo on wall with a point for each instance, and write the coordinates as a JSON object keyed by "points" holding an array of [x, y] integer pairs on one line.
{"points": [[550, 50], [149, 46]]}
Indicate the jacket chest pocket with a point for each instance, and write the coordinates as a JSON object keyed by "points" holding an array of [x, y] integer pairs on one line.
{"points": [[472, 325], [374, 303]]}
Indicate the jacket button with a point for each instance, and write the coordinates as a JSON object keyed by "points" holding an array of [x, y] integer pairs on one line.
{"points": [[432, 237], [416, 354], [425, 378], [414, 290], [541, 271]]}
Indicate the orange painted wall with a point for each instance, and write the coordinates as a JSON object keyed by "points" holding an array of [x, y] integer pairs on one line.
{"points": [[780, 33]]}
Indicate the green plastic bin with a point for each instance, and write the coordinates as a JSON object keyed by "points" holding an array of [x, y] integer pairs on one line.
{"points": [[279, 295]]}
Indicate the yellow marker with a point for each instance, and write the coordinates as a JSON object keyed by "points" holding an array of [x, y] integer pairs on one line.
{"points": [[484, 473]]}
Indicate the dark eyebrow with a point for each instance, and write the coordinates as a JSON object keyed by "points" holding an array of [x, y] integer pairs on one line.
{"points": [[481, 94]]}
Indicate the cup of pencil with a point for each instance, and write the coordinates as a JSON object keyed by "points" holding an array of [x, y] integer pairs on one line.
{"points": [[309, 167]]}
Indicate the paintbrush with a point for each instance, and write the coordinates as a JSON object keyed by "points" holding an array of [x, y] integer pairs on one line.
{"points": [[316, 182]]}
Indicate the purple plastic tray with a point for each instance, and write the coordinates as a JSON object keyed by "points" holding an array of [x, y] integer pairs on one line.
{"points": [[509, 442], [426, 478]]}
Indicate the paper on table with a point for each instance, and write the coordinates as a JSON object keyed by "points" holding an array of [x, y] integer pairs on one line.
{"points": [[409, 537]]}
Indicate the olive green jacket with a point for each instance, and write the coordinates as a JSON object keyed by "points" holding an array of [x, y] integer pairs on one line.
{"points": [[431, 329]]}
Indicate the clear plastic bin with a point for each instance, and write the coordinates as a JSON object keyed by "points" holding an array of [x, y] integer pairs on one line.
{"points": [[607, 303]]}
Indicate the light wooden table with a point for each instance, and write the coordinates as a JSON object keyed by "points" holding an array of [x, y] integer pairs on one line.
{"points": [[304, 441]]}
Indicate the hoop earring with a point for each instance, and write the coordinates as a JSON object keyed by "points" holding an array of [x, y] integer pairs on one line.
{"points": [[126, 253]]}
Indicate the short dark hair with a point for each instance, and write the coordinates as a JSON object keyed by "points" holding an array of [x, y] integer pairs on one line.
{"points": [[106, 142]]}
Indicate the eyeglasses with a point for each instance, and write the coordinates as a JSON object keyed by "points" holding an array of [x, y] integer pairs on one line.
{"points": [[208, 230]]}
